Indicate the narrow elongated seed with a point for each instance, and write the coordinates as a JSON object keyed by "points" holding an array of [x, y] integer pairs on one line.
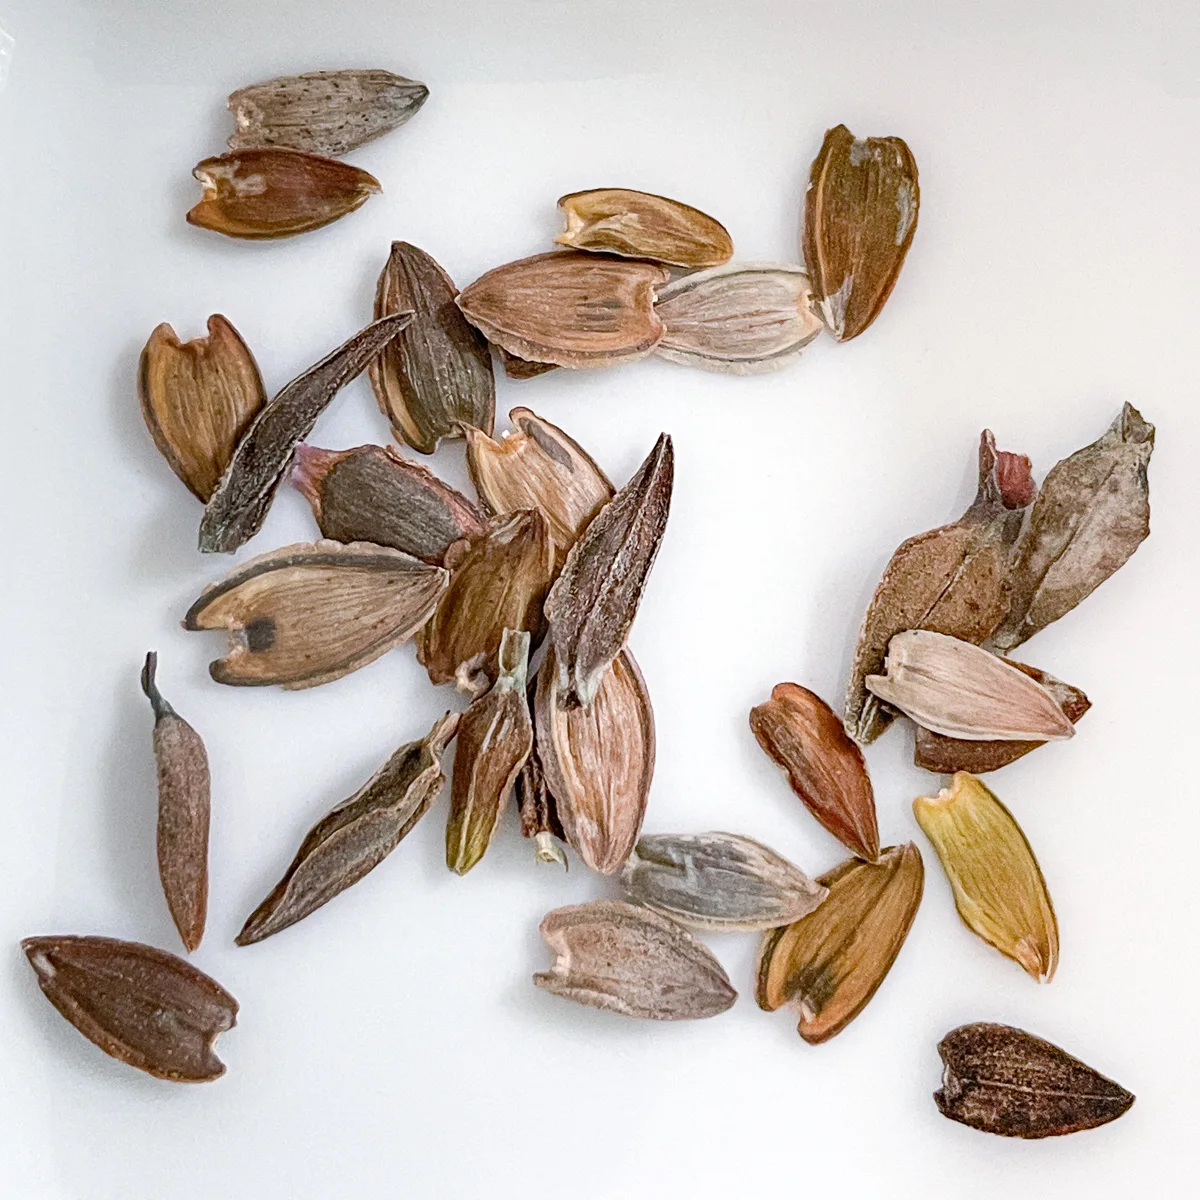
{"points": [[198, 399], [495, 737], [593, 602], [569, 308], [276, 193], [998, 886], [323, 112], [718, 881], [860, 214], [829, 964], [952, 687], [237, 508], [642, 225], [372, 494], [357, 835], [183, 812], [801, 734], [1002, 1080], [437, 378], [539, 813], [1092, 514], [740, 319], [313, 612], [140, 1005], [633, 961]]}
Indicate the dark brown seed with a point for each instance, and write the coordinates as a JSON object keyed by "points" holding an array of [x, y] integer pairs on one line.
{"points": [[238, 507], [1005, 1081], [183, 812], [539, 813], [516, 367], [143, 1006]]}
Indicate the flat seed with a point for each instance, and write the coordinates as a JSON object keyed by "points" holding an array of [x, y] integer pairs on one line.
{"points": [[538, 811], [516, 367]]}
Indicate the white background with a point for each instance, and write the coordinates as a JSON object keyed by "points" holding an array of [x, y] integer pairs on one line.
{"points": [[392, 1044]]}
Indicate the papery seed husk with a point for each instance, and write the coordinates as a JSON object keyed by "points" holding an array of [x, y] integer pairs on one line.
{"points": [[740, 319], [372, 494], [641, 225], [1002, 1080], [323, 112], [357, 835], [183, 812], [591, 607], [998, 886], [142, 1006], [237, 508], [631, 960], [950, 686], [569, 308], [313, 612], [436, 378], [516, 367], [860, 214], [801, 734], [1091, 515], [829, 964], [276, 193], [953, 579], [198, 398], [718, 881], [535, 804], [598, 761]]}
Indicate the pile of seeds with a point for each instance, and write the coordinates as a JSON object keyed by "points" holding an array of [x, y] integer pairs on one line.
{"points": [[524, 598]]}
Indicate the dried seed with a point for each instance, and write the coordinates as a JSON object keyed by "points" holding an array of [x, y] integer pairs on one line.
{"points": [[437, 378], [598, 761], [950, 686], [498, 582], [516, 367], [718, 881], [198, 399], [591, 606], [183, 812], [945, 755], [830, 963], [311, 613], [371, 494], [1005, 1081], [860, 214], [539, 813], [632, 961], [641, 225], [140, 1005], [825, 768], [740, 319], [357, 835], [276, 193], [323, 112], [569, 308], [953, 579], [1092, 514], [998, 886], [495, 737], [238, 506], [539, 466]]}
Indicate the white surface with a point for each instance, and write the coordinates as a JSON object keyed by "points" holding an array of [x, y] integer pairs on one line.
{"points": [[392, 1044]]}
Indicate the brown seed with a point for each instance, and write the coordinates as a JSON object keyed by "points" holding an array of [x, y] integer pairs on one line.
{"points": [[198, 399], [860, 214], [642, 225], [437, 378], [140, 1005], [539, 813], [238, 506], [313, 612], [357, 835], [372, 494], [516, 367], [276, 193], [632, 961], [569, 308], [1005, 1081], [183, 812], [801, 734]]}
